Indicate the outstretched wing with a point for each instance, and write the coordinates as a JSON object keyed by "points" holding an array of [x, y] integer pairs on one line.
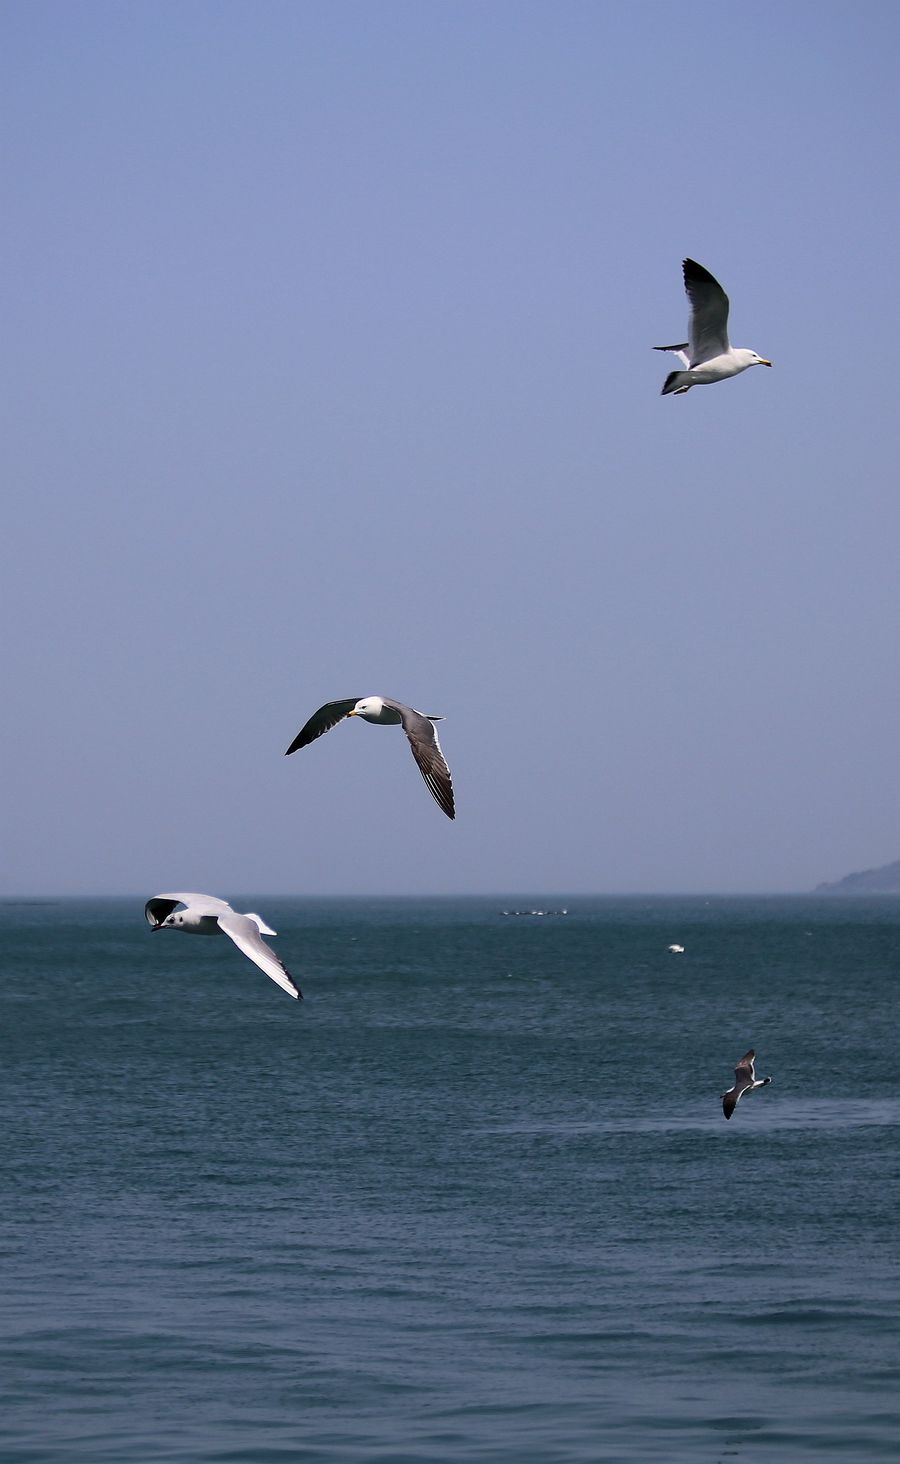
{"points": [[745, 1066], [708, 325], [743, 1074], [156, 910], [681, 351], [743, 1079], [322, 721], [426, 750], [245, 933]]}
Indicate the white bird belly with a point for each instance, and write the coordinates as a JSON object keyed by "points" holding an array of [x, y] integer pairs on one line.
{"points": [[387, 717], [198, 924], [717, 369]]}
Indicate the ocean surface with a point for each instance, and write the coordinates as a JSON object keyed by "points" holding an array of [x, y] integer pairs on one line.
{"points": [[474, 1199]]}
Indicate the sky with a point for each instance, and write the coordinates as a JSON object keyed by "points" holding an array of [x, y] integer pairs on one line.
{"points": [[328, 373]]}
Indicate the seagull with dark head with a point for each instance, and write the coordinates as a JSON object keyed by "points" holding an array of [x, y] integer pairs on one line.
{"points": [[745, 1081], [708, 355], [419, 728], [205, 915]]}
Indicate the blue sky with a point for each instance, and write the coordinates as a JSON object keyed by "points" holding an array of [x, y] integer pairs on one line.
{"points": [[328, 373]]}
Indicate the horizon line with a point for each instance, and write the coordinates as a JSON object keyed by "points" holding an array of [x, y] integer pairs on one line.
{"points": [[533, 893]]}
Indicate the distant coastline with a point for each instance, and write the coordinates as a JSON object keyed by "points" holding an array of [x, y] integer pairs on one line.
{"points": [[885, 880]]}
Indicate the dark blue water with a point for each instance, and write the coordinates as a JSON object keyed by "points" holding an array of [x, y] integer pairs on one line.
{"points": [[473, 1200]]}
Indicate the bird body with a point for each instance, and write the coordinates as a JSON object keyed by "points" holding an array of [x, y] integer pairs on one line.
{"points": [[205, 915], [745, 1081], [708, 355], [384, 710]]}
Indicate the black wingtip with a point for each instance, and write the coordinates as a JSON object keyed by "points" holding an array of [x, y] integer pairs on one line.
{"points": [[695, 271]]}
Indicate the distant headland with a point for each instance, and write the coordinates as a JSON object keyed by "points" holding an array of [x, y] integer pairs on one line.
{"points": [[882, 881]]}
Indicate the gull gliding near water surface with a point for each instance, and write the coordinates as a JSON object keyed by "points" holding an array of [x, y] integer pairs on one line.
{"points": [[745, 1081], [708, 355], [419, 728], [205, 915]]}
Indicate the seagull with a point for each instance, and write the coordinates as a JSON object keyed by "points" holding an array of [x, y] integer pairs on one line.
{"points": [[205, 915], [419, 728], [744, 1082], [707, 356], [676, 950]]}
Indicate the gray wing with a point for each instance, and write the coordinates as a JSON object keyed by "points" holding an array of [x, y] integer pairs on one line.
{"points": [[156, 910], [743, 1073], [245, 934], [708, 326], [426, 750], [322, 721], [743, 1079]]}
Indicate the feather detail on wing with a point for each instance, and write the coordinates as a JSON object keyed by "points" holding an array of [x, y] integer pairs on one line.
{"points": [[244, 931], [708, 327], [745, 1066], [322, 721], [743, 1079], [426, 749]]}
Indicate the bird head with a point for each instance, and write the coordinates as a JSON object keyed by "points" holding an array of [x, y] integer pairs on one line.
{"points": [[367, 706]]}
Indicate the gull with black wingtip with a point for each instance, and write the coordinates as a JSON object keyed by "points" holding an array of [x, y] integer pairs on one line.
{"points": [[205, 915], [708, 355], [419, 728], [745, 1081]]}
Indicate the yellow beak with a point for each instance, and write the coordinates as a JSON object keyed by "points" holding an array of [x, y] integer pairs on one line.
{"points": [[764, 362]]}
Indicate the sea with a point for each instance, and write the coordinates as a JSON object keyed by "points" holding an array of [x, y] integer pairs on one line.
{"points": [[473, 1199]]}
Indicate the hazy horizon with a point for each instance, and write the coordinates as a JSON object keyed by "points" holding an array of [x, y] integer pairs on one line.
{"points": [[39, 896]]}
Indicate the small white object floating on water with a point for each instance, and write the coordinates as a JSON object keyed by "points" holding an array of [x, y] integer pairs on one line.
{"points": [[745, 1080], [676, 950], [205, 915]]}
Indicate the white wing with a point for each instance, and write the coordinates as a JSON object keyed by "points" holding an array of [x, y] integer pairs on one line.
{"points": [[244, 931], [679, 351], [160, 906]]}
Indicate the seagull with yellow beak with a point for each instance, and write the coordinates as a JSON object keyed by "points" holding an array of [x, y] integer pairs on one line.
{"points": [[383, 710], [708, 355]]}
